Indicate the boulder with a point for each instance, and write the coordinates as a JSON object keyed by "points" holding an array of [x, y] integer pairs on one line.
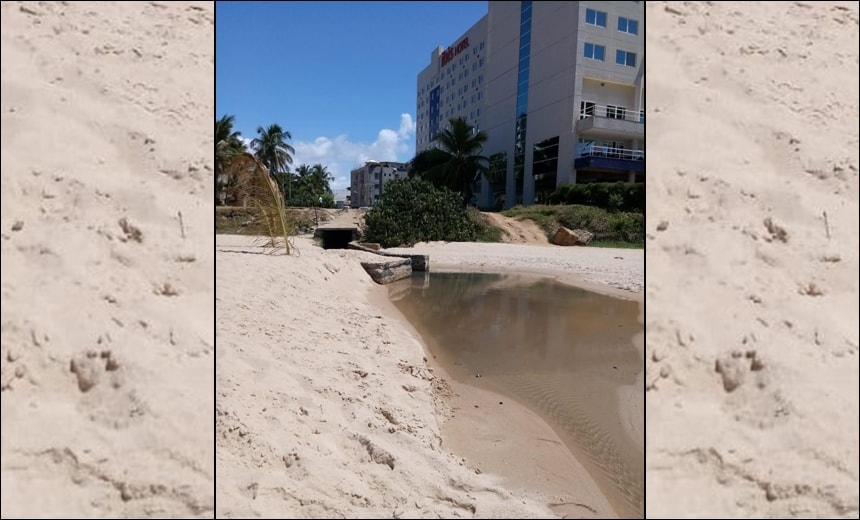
{"points": [[387, 272], [576, 237]]}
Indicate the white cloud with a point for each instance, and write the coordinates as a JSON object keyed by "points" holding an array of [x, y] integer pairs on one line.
{"points": [[341, 155]]}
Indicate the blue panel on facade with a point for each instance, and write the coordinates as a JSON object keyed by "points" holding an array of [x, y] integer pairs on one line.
{"points": [[434, 115], [606, 163]]}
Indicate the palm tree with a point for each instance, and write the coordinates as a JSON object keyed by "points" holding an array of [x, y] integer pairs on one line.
{"points": [[271, 148], [426, 162], [456, 163], [321, 180], [303, 177], [228, 144], [284, 179]]}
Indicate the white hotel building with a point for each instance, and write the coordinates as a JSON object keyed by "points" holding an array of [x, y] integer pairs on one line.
{"points": [[558, 88]]}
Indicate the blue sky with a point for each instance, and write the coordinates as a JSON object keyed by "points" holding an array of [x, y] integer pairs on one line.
{"points": [[339, 76]]}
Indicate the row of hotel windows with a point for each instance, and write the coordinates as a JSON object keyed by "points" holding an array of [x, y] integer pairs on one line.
{"points": [[598, 53], [460, 106], [598, 18], [472, 115], [451, 97], [461, 90]]}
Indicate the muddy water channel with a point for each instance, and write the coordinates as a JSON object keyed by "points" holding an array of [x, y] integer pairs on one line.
{"points": [[563, 352]]}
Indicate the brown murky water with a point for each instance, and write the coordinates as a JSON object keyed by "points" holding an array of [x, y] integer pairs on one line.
{"points": [[562, 351]]}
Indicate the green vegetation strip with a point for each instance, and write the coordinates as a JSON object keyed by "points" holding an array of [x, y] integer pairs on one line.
{"points": [[611, 229]]}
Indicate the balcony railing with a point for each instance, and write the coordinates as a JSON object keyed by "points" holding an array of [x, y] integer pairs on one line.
{"points": [[612, 112], [610, 153]]}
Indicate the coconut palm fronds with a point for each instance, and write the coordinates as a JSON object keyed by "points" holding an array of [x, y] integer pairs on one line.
{"points": [[257, 190]]}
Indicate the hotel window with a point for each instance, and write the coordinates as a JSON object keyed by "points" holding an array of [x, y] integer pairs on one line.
{"points": [[479, 112], [586, 109], [614, 112], [595, 52], [627, 25], [625, 58], [482, 46], [597, 18]]}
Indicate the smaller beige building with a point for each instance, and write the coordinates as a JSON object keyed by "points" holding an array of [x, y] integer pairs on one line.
{"points": [[368, 181]]}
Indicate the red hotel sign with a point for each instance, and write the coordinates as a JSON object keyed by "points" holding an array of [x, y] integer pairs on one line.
{"points": [[449, 54]]}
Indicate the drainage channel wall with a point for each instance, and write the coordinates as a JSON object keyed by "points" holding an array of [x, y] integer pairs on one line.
{"points": [[419, 262]]}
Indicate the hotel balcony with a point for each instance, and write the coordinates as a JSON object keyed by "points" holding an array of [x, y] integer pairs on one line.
{"points": [[605, 158], [611, 121]]}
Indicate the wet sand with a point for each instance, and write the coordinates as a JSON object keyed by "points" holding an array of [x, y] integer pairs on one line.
{"points": [[546, 352]]}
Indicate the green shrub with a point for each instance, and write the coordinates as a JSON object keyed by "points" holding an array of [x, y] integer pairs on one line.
{"points": [[559, 196], [412, 210], [614, 196], [629, 227]]}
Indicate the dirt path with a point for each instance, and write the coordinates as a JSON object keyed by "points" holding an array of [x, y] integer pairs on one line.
{"points": [[343, 218], [518, 231]]}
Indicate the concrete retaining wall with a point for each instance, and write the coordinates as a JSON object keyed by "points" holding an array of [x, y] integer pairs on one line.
{"points": [[419, 262]]}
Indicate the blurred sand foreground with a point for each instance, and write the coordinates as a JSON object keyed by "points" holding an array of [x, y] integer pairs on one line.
{"points": [[752, 294], [106, 137]]}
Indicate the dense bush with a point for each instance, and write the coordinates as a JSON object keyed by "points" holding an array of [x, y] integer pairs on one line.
{"points": [[412, 210], [303, 199], [613, 196], [622, 227]]}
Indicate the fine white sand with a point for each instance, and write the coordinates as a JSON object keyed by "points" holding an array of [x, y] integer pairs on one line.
{"points": [[752, 137], [106, 136], [326, 404]]}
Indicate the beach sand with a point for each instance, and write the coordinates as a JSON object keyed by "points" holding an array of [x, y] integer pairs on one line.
{"points": [[107, 323], [752, 292], [327, 405]]}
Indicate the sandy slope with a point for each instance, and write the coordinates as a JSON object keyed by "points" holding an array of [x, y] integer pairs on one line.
{"points": [[327, 407], [752, 136], [518, 231], [106, 137]]}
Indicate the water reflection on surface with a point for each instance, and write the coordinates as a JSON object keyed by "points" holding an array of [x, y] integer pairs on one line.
{"points": [[560, 350]]}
